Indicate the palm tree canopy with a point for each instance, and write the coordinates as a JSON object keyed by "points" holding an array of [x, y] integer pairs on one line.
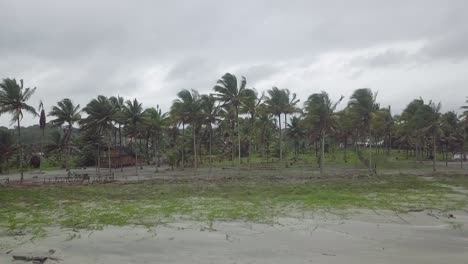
{"points": [[100, 113], [65, 112], [13, 98], [320, 111], [362, 104], [229, 91]]}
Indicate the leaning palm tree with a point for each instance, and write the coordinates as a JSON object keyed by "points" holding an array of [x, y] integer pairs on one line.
{"points": [[230, 92], [66, 113], [99, 121], [362, 105], [320, 114], [13, 100]]}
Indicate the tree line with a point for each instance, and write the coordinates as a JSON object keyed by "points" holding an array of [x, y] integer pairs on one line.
{"points": [[231, 123]]}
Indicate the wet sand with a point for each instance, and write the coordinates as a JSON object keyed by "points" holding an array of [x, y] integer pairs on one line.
{"points": [[340, 237]]}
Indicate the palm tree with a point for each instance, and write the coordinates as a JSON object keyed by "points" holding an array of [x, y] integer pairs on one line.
{"points": [[433, 128], [363, 104], [188, 105], [42, 125], [277, 103], [66, 113], [13, 100], [154, 121], [211, 113], [320, 113], [250, 107], [133, 113], [229, 93], [99, 121], [296, 133], [56, 144], [119, 119]]}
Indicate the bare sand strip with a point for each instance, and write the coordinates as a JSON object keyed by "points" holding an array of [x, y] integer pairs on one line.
{"points": [[360, 237]]}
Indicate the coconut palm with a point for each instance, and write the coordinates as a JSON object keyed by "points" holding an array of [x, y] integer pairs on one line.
{"points": [[433, 127], [66, 113], [154, 120], [277, 103], [99, 121], [363, 104], [250, 107], [230, 92], [320, 114], [188, 106], [296, 133], [211, 113], [13, 100], [133, 116]]}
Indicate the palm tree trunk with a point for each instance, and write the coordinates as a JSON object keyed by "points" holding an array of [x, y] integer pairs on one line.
{"points": [[322, 153], [42, 151], [194, 148], [21, 151], [211, 159], [434, 153], [238, 135], [370, 151], [120, 148], [280, 138], [109, 156], [136, 156], [183, 144]]}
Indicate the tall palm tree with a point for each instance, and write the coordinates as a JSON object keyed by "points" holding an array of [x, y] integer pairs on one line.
{"points": [[363, 104], [277, 103], [99, 121], [250, 107], [119, 119], [320, 113], [188, 105], [13, 100], [211, 113], [133, 113], [230, 92], [154, 121], [296, 133], [433, 128], [66, 113]]}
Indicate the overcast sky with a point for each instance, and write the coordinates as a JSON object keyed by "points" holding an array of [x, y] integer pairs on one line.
{"points": [[150, 50]]}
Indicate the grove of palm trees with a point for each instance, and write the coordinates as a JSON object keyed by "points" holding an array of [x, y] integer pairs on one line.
{"points": [[235, 126]]}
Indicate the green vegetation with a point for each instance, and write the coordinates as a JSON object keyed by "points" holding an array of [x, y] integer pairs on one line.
{"points": [[31, 209]]}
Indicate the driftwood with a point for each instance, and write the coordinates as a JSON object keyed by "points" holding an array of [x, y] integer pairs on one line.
{"points": [[35, 259]]}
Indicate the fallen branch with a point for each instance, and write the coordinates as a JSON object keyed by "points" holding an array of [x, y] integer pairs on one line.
{"points": [[35, 259]]}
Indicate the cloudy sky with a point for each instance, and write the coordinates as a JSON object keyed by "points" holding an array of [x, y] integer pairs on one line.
{"points": [[150, 50]]}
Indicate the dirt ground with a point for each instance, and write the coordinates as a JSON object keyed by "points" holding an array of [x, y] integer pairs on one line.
{"points": [[356, 237]]}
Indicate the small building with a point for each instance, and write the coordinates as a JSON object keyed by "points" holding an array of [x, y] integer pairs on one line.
{"points": [[120, 157]]}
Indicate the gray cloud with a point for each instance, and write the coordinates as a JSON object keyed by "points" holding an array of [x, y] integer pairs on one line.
{"points": [[152, 49]]}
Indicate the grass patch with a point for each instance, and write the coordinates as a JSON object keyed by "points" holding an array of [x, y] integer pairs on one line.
{"points": [[31, 209]]}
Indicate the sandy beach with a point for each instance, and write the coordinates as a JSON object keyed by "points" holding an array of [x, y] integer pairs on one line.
{"points": [[359, 237]]}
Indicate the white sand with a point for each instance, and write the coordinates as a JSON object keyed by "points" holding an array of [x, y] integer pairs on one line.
{"points": [[364, 237]]}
